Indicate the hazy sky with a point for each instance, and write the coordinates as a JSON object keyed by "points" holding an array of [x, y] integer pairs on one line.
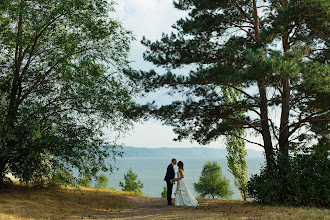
{"points": [[151, 18]]}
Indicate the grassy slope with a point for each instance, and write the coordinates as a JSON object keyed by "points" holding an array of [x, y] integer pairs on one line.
{"points": [[22, 203]]}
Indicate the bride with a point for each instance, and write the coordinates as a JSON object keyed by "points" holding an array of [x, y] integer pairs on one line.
{"points": [[183, 197]]}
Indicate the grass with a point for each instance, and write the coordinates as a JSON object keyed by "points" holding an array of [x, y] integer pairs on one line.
{"points": [[29, 203], [89, 203]]}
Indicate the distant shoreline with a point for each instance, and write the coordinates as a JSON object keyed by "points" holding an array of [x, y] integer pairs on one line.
{"points": [[192, 152]]}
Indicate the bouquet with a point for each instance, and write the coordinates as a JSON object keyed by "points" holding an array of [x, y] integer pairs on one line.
{"points": [[172, 181]]}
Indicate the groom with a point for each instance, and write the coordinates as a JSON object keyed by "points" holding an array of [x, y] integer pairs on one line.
{"points": [[169, 178]]}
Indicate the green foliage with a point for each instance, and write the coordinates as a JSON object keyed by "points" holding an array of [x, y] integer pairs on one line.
{"points": [[164, 193], [236, 161], [211, 182], [63, 178], [224, 45], [302, 180], [131, 184], [84, 181], [61, 82], [101, 182], [235, 144]]}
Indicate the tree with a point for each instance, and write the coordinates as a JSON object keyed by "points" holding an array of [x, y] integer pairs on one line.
{"points": [[275, 53], [63, 178], [101, 182], [61, 82], [131, 184], [211, 182], [236, 148], [236, 161], [84, 181]]}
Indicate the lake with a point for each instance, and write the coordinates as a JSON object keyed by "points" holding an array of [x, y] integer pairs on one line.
{"points": [[151, 172]]}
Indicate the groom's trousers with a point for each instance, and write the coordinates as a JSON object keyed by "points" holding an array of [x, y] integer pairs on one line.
{"points": [[169, 192]]}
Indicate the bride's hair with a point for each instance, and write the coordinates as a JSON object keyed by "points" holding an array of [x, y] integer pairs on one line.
{"points": [[180, 165]]}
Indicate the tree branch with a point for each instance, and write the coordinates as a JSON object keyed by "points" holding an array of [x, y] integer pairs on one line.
{"points": [[245, 123], [246, 139], [34, 42], [39, 82], [307, 119], [241, 10], [273, 128], [229, 22], [240, 90]]}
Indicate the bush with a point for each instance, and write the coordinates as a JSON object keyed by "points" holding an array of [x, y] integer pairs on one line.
{"points": [[303, 180], [63, 178], [131, 184], [84, 181], [164, 193], [211, 182], [101, 182], [38, 182]]}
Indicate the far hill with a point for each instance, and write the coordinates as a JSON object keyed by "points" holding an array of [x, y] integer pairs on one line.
{"points": [[182, 152]]}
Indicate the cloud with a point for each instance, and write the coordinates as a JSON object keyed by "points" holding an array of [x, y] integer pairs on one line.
{"points": [[148, 17]]}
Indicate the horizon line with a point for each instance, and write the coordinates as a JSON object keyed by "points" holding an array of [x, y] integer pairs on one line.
{"points": [[189, 148]]}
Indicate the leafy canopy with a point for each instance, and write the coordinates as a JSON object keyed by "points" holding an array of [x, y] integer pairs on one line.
{"points": [[212, 183], [101, 181], [61, 83]]}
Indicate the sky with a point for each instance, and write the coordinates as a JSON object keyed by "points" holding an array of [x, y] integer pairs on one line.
{"points": [[151, 18]]}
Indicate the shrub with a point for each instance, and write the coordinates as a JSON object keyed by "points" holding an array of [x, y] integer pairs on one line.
{"points": [[84, 181], [38, 182], [164, 193], [211, 182], [63, 178], [303, 180], [130, 182], [101, 182]]}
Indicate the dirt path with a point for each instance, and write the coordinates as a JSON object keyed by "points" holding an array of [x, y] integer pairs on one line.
{"points": [[155, 208]]}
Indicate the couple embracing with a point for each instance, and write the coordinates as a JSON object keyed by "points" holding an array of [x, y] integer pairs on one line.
{"points": [[183, 197]]}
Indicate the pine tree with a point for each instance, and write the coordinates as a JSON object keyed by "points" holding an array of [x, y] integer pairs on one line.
{"points": [[275, 53], [131, 184]]}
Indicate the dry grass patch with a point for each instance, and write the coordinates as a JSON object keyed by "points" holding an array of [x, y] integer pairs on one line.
{"points": [[27, 203], [89, 203], [231, 209]]}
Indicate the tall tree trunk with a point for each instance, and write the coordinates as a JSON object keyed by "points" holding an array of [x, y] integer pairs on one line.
{"points": [[284, 124], [256, 20], [268, 146], [15, 85], [265, 132], [14, 97]]}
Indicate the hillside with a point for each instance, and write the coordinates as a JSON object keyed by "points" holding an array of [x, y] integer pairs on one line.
{"points": [[183, 152]]}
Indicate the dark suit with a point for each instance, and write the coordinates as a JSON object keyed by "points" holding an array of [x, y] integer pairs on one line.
{"points": [[169, 175]]}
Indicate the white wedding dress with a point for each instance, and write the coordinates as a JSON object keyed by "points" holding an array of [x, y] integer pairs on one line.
{"points": [[183, 196]]}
